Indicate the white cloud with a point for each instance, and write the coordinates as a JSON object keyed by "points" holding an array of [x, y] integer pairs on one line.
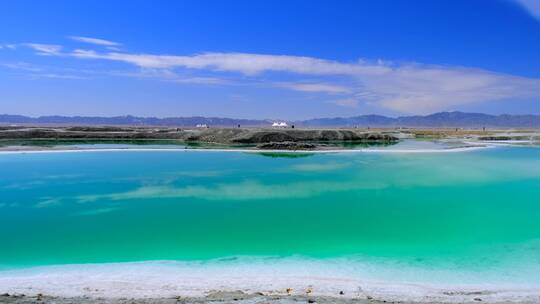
{"points": [[24, 66], [31, 71], [316, 87], [95, 41], [405, 88], [45, 49], [56, 76], [171, 76], [426, 89], [532, 7], [8, 46], [248, 64]]}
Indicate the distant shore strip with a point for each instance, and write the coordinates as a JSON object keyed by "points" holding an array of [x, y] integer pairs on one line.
{"points": [[444, 150]]}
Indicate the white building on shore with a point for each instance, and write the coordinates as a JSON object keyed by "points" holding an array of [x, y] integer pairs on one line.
{"points": [[279, 124]]}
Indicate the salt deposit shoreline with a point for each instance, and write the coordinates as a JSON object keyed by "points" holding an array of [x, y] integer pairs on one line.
{"points": [[160, 282], [366, 150]]}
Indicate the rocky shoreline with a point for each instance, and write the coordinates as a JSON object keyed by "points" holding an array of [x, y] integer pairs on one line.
{"points": [[218, 135], [286, 139]]}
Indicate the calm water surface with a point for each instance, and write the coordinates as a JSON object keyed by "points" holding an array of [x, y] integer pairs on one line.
{"points": [[467, 212]]}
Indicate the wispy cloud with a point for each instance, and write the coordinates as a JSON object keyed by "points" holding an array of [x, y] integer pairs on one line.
{"points": [[401, 87], [171, 76], [45, 49], [8, 46], [113, 48], [57, 76], [24, 66], [532, 7], [407, 88], [96, 41], [31, 71], [248, 64], [316, 87]]}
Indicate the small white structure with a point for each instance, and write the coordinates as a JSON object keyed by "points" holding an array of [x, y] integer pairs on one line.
{"points": [[281, 124], [202, 126]]}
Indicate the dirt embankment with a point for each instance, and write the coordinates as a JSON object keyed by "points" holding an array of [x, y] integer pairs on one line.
{"points": [[224, 136]]}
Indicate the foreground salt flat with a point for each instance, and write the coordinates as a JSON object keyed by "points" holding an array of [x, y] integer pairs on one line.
{"points": [[162, 281]]}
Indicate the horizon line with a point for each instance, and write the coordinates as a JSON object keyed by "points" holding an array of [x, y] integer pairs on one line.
{"points": [[260, 119]]}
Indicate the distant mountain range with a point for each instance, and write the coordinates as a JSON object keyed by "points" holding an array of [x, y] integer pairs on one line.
{"points": [[442, 119], [129, 121]]}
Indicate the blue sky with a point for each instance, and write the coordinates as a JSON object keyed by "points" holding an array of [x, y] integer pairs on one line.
{"points": [[269, 59]]}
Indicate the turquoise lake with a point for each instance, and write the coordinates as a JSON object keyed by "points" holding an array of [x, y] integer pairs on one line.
{"points": [[466, 212]]}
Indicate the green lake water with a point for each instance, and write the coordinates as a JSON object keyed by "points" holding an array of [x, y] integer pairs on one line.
{"points": [[466, 212]]}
